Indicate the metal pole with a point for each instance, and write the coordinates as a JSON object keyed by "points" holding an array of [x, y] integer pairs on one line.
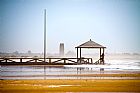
{"points": [[45, 35]]}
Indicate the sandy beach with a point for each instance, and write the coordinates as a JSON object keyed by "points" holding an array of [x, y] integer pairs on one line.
{"points": [[73, 85], [39, 86], [71, 79]]}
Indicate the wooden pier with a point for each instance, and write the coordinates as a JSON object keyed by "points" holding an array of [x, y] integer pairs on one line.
{"points": [[59, 60], [48, 61]]}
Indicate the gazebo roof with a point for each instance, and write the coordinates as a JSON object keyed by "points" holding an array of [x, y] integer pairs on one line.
{"points": [[90, 44]]}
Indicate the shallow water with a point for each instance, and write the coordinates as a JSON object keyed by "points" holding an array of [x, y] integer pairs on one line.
{"points": [[53, 72]]}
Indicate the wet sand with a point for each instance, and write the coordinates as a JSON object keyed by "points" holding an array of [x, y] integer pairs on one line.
{"points": [[83, 85], [116, 81]]}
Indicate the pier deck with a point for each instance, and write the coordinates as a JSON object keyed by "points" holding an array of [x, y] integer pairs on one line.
{"points": [[48, 61]]}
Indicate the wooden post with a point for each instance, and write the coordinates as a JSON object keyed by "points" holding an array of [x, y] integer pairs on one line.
{"points": [[49, 60], [80, 55], [20, 59], [6, 60], [103, 55], [100, 57], [77, 54], [35, 59], [64, 61]]}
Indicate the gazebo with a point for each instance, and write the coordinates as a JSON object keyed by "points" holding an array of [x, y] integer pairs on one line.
{"points": [[91, 44]]}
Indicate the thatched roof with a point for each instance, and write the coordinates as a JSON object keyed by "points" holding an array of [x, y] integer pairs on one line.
{"points": [[90, 44]]}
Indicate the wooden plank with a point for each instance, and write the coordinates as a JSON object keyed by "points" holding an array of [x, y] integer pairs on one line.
{"points": [[57, 60], [41, 60], [71, 61]]}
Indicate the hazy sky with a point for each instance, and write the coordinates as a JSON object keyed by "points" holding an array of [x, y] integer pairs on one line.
{"points": [[112, 23]]}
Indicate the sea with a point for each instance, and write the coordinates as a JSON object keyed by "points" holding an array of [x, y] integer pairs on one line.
{"points": [[70, 71]]}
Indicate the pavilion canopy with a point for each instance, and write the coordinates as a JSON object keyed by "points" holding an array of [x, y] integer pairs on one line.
{"points": [[90, 44]]}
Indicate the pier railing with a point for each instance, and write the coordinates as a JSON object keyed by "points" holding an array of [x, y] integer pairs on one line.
{"points": [[40, 61]]}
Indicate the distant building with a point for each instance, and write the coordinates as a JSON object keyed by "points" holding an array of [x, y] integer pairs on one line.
{"points": [[61, 49], [29, 52]]}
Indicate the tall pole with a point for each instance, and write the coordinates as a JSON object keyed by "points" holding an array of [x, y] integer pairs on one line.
{"points": [[45, 35]]}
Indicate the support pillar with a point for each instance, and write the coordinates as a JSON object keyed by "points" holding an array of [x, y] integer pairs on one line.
{"points": [[80, 55], [103, 55], [49, 60], [100, 57], [64, 61], [20, 59], [77, 55]]}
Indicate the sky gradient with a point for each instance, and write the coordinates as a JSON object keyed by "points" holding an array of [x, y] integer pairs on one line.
{"points": [[112, 23]]}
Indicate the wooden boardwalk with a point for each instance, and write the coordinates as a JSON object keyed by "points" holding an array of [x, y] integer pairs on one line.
{"points": [[48, 61]]}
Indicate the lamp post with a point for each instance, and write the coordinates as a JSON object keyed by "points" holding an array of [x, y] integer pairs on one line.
{"points": [[44, 35]]}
